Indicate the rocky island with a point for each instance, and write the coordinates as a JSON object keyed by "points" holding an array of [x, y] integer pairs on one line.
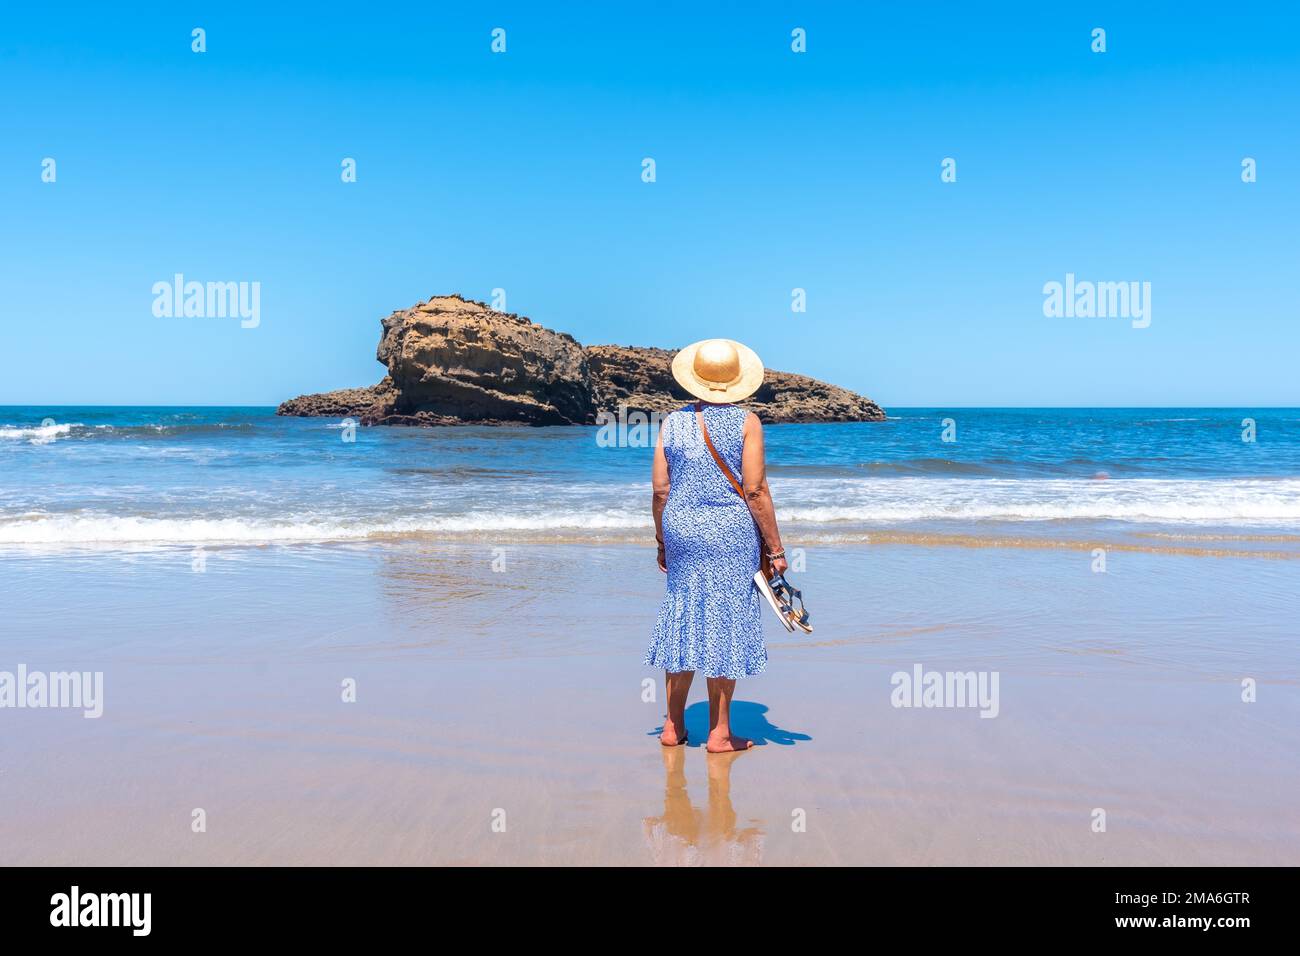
{"points": [[454, 361]]}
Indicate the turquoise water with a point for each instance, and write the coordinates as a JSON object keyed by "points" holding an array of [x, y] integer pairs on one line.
{"points": [[128, 476]]}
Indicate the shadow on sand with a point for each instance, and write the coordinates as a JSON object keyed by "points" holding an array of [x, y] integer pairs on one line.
{"points": [[748, 719]]}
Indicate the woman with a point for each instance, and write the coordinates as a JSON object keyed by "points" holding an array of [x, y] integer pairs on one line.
{"points": [[708, 545]]}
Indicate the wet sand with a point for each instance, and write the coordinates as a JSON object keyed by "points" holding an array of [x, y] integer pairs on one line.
{"points": [[500, 715]]}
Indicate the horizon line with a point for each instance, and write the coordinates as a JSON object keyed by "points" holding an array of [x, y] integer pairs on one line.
{"points": [[883, 407]]}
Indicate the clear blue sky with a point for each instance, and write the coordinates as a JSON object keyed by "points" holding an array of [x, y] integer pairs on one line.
{"points": [[775, 170]]}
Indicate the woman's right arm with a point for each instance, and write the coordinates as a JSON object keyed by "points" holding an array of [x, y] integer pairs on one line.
{"points": [[660, 485], [757, 494]]}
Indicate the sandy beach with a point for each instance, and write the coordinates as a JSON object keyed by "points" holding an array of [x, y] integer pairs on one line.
{"points": [[500, 716], [358, 366]]}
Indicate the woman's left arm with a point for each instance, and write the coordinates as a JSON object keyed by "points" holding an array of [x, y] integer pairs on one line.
{"points": [[757, 494]]}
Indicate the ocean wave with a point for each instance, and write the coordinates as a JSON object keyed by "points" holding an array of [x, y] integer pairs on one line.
{"points": [[812, 505], [178, 429], [39, 434], [110, 529], [1168, 512], [935, 466], [1155, 500], [43, 434]]}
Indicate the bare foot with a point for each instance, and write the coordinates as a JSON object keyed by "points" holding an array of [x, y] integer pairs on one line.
{"points": [[674, 734], [726, 745]]}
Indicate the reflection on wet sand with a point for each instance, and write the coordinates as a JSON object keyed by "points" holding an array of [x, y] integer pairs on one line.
{"points": [[480, 602], [1025, 542], [685, 835]]}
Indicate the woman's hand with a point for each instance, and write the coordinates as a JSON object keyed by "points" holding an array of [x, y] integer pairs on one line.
{"points": [[779, 565], [662, 559]]}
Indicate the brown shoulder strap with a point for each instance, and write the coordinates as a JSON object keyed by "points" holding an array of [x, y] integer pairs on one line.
{"points": [[708, 443]]}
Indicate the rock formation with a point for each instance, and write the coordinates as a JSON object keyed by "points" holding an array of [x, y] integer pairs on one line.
{"points": [[453, 361], [642, 380], [373, 401]]}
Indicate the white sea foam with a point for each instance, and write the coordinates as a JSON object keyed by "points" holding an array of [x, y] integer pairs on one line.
{"points": [[100, 529], [38, 434], [828, 504], [108, 529], [1162, 500]]}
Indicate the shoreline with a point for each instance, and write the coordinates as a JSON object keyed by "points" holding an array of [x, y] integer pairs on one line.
{"points": [[522, 690], [1271, 546]]}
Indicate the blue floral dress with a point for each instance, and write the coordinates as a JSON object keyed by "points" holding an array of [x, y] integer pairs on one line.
{"points": [[711, 620]]}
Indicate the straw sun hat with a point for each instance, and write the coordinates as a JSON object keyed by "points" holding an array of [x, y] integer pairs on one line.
{"points": [[718, 370]]}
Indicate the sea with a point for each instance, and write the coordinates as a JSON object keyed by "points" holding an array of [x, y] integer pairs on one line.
{"points": [[117, 477]]}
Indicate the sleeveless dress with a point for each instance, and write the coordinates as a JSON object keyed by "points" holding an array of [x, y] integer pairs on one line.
{"points": [[711, 620]]}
